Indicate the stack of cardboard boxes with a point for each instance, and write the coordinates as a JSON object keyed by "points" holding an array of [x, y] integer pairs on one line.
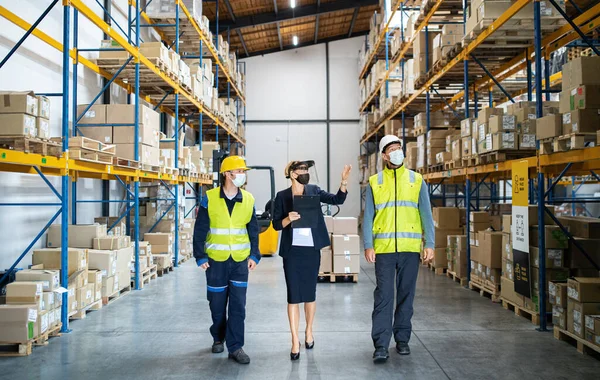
{"points": [[422, 55], [443, 43], [583, 300], [19, 322], [24, 114], [343, 257], [186, 236], [457, 255], [452, 145], [162, 248], [113, 124], [446, 221]]}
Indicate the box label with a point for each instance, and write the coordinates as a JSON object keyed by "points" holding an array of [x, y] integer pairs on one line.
{"points": [[567, 118]]}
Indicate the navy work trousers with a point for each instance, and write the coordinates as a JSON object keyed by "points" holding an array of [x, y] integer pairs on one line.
{"points": [[394, 271], [227, 283]]}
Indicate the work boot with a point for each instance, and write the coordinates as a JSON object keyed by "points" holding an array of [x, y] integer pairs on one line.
{"points": [[402, 348], [218, 347], [380, 355], [240, 357]]}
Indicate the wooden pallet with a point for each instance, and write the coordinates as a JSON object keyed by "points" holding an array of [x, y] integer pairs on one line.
{"points": [[150, 168], [338, 277], [126, 163], [470, 161], [501, 156], [162, 271], [114, 64], [42, 340], [583, 346], [145, 278], [31, 145], [573, 141], [485, 290], [16, 349], [116, 295], [435, 168], [80, 314], [533, 316], [438, 271], [90, 156], [93, 145], [462, 281], [422, 170]]}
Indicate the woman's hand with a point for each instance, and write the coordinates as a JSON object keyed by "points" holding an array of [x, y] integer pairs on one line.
{"points": [[346, 172], [293, 216]]}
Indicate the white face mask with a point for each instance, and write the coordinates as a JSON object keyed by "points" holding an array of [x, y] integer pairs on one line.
{"points": [[397, 157], [239, 180]]}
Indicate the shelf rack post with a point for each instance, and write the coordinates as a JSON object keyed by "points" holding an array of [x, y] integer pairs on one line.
{"points": [[468, 207], [176, 186], [64, 216], [466, 90], [136, 183], [74, 100], [541, 184]]}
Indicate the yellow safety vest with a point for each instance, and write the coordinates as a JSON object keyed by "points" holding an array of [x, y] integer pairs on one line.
{"points": [[397, 225], [228, 235]]}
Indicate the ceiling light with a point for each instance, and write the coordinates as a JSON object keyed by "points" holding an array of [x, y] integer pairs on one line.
{"points": [[295, 40], [293, 3]]}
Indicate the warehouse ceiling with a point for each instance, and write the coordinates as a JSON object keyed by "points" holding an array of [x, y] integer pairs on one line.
{"points": [[257, 27]]}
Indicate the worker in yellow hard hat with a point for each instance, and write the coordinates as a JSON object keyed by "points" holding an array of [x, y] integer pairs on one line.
{"points": [[226, 246]]}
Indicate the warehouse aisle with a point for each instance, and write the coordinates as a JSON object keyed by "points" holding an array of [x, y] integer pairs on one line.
{"points": [[162, 332]]}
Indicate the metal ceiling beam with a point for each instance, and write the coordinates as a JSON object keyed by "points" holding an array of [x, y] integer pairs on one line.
{"points": [[230, 10], [353, 21], [279, 36], [293, 13], [239, 33], [275, 6], [291, 46]]}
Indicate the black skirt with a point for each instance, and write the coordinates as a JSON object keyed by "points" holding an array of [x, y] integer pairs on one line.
{"points": [[301, 268]]}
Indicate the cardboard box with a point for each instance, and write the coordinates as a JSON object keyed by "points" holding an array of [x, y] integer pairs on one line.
{"points": [[72, 299], [326, 265], [557, 291], [505, 141], [147, 154], [42, 128], [592, 324], [508, 269], [158, 238], [549, 126], [581, 71], [18, 124], [440, 258], [506, 224], [80, 235], [484, 115], [104, 134], [490, 249], [479, 217], [576, 259], [18, 103], [581, 121], [95, 115], [345, 226], [345, 244], [441, 235], [504, 123], [507, 290], [79, 279], [50, 259], [110, 285], [559, 316], [111, 242], [446, 217], [556, 274], [580, 226], [50, 279], [585, 97], [555, 258], [104, 261], [24, 292], [95, 277], [576, 316], [507, 247], [555, 238], [584, 289], [527, 141], [18, 323], [348, 264]]}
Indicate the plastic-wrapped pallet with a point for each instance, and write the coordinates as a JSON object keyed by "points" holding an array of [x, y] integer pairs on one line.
{"points": [[167, 9]]}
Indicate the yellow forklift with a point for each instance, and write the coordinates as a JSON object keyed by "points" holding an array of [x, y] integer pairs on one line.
{"points": [[268, 239]]}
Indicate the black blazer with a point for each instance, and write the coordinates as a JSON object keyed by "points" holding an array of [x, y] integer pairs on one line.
{"points": [[284, 205]]}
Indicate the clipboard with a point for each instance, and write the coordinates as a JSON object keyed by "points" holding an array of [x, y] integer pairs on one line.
{"points": [[309, 208]]}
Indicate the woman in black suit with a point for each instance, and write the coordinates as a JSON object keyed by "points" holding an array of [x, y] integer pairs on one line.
{"points": [[300, 248]]}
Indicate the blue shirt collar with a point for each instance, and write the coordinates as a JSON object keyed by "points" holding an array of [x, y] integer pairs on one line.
{"points": [[237, 198]]}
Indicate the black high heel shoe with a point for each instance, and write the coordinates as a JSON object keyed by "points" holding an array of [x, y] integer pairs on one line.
{"points": [[295, 356], [311, 345]]}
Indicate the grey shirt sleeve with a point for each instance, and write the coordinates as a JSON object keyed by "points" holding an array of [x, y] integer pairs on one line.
{"points": [[426, 216], [368, 218]]}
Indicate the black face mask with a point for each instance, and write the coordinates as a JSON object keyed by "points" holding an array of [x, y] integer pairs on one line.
{"points": [[303, 178]]}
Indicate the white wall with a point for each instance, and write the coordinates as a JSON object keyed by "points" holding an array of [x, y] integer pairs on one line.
{"points": [[37, 66], [291, 86]]}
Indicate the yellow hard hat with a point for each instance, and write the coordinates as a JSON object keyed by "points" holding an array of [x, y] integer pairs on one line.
{"points": [[233, 163]]}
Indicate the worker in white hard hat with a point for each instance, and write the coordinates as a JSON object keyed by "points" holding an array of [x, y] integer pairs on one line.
{"points": [[397, 219]]}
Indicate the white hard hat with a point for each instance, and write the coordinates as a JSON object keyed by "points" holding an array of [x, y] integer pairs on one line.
{"points": [[387, 140]]}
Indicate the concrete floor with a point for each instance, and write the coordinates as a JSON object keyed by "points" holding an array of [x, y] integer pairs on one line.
{"points": [[162, 332]]}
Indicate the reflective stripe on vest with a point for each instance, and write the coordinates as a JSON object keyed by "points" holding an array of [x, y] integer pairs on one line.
{"points": [[397, 224], [228, 236]]}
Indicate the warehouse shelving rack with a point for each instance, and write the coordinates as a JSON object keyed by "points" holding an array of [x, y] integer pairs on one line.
{"points": [[545, 170], [69, 169]]}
